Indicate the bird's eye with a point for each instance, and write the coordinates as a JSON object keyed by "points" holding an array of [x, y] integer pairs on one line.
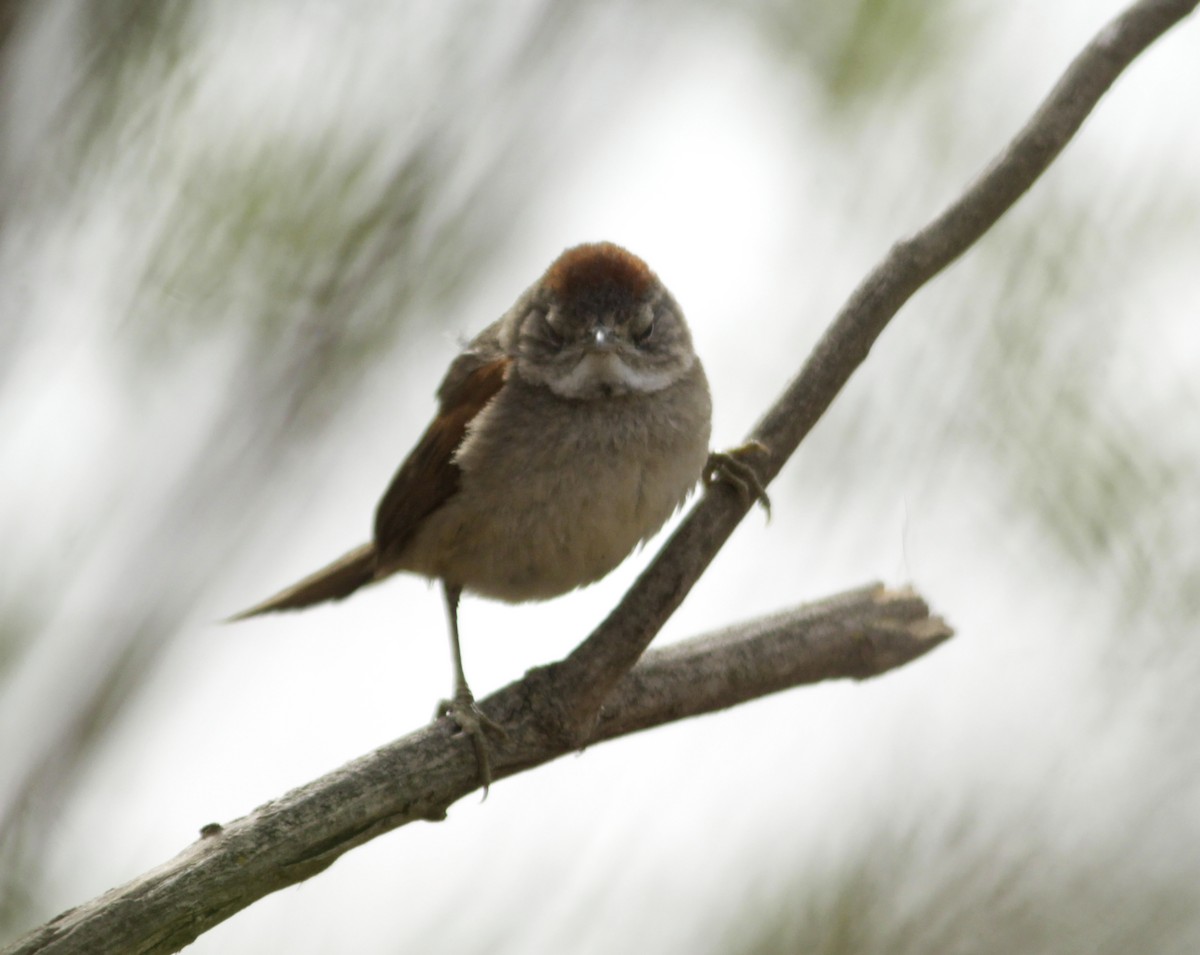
{"points": [[641, 327], [550, 326]]}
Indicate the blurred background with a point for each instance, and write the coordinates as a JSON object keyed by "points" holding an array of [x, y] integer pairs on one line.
{"points": [[239, 242]]}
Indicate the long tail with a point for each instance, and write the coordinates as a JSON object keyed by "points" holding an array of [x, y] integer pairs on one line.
{"points": [[340, 579]]}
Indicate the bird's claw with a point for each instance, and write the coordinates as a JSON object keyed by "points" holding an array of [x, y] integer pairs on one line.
{"points": [[475, 724], [735, 467]]}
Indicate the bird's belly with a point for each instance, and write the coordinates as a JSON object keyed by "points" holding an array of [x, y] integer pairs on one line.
{"points": [[531, 523], [551, 534]]}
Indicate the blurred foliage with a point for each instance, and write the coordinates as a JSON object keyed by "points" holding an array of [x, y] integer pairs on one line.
{"points": [[855, 51], [1109, 486], [132, 47], [285, 208], [905, 895], [287, 265]]}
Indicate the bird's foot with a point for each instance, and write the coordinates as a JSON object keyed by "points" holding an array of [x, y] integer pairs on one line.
{"points": [[736, 468], [476, 724]]}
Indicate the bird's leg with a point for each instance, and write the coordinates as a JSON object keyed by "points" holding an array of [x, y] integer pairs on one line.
{"points": [[735, 468], [461, 707]]}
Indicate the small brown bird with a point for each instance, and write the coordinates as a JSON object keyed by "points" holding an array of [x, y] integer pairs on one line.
{"points": [[567, 433]]}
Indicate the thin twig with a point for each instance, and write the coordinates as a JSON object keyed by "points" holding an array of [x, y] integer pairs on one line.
{"points": [[588, 675]]}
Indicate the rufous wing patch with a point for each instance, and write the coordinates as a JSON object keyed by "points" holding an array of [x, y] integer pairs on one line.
{"points": [[429, 476]]}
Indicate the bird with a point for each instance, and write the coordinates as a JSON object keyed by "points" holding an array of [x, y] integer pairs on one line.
{"points": [[567, 433]]}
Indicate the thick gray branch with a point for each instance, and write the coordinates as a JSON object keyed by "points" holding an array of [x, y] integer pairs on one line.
{"points": [[596, 694], [857, 634]]}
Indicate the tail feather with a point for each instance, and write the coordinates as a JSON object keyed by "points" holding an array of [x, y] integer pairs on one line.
{"points": [[340, 579]]}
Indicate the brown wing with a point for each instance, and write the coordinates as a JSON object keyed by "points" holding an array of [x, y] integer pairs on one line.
{"points": [[429, 476]]}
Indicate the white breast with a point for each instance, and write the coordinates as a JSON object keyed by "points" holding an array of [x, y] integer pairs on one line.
{"points": [[606, 371]]}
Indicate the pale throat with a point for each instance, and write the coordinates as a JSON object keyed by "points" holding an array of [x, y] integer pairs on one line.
{"points": [[606, 373]]}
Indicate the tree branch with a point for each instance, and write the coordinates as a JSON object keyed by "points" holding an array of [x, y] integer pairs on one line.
{"points": [[857, 634], [596, 693], [599, 662]]}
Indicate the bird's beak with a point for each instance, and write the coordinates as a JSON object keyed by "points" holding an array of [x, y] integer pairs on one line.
{"points": [[602, 339]]}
